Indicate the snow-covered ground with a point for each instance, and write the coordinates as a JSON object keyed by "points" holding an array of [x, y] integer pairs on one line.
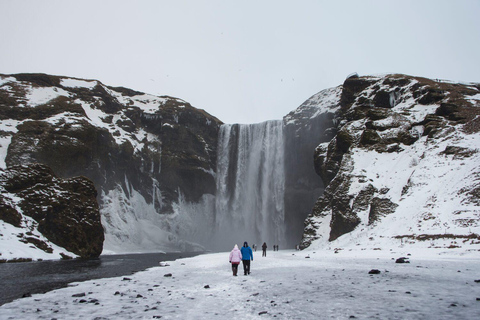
{"points": [[285, 284]]}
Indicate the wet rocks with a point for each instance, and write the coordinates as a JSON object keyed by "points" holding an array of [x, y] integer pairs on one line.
{"points": [[402, 260], [78, 295], [374, 271]]}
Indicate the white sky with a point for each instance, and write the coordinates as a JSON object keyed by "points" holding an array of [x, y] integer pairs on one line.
{"points": [[242, 61]]}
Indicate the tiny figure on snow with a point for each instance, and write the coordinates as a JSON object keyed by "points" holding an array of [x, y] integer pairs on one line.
{"points": [[264, 249], [247, 255], [235, 258]]}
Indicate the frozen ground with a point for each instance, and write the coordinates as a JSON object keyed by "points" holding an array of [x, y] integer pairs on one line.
{"points": [[285, 285]]}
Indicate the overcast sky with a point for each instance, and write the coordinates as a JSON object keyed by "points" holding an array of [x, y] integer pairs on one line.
{"points": [[241, 61]]}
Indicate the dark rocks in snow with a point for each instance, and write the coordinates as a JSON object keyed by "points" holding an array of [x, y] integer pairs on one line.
{"points": [[380, 207], [78, 295], [374, 271], [167, 275], [66, 210], [207, 287], [126, 279], [262, 312], [8, 213], [477, 281], [402, 260]]}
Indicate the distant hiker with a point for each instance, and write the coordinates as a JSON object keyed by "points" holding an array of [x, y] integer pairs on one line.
{"points": [[264, 248], [254, 247], [235, 258], [247, 255]]}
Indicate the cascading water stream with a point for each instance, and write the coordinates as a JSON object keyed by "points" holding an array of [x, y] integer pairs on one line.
{"points": [[250, 184]]}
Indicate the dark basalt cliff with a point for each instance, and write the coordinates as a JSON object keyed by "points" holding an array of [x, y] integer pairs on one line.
{"points": [[180, 156], [144, 153], [65, 210], [394, 114]]}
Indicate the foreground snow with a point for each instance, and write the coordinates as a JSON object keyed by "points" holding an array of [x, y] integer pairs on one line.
{"points": [[285, 285]]}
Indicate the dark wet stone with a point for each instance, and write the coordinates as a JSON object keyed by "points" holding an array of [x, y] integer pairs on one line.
{"points": [[374, 271], [78, 295], [402, 260]]}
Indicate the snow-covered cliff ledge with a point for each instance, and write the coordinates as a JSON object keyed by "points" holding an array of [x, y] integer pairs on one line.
{"points": [[402, 169]]}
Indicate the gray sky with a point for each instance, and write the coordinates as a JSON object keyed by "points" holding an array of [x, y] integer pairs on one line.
{"points": [[242, 61]]}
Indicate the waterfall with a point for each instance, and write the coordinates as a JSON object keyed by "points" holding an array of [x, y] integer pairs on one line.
{"points": [[249, 204]]}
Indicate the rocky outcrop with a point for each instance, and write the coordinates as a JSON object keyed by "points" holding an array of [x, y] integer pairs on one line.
{"points": [[65, 211], [145, 154], [394, 137]]}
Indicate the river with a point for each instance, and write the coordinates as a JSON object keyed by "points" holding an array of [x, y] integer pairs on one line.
{"points": [[19, 279]]}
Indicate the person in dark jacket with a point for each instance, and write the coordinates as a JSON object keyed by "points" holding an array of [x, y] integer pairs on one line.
{"points": [[264, 249], [247, 255]]}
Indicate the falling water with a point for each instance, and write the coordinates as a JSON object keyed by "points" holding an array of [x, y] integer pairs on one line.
{"points": [[250, 184]]}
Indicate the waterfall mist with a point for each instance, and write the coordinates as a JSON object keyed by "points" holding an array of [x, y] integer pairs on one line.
{"points": [[249, 203]]}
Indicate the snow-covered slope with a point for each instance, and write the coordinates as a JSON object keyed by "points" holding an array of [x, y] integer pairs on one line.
{"points": [[402, 169], [284, 285]]}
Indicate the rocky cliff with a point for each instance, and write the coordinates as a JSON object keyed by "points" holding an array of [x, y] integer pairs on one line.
{"points": [[145, 154], [47, 213], [402, 168]]}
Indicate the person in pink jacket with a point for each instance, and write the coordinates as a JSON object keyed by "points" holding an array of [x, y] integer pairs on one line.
{"points": [[235, 258]]}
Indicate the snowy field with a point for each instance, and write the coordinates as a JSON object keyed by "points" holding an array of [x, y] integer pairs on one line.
{"points": [[285, 285]]}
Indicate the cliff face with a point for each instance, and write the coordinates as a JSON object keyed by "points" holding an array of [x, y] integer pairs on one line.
{"points": [[307, 126], [402, 166], [144, 153], [63, 212]]}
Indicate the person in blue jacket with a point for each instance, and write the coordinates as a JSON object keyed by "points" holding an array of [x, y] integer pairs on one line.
{"points": [[247, 255]]}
